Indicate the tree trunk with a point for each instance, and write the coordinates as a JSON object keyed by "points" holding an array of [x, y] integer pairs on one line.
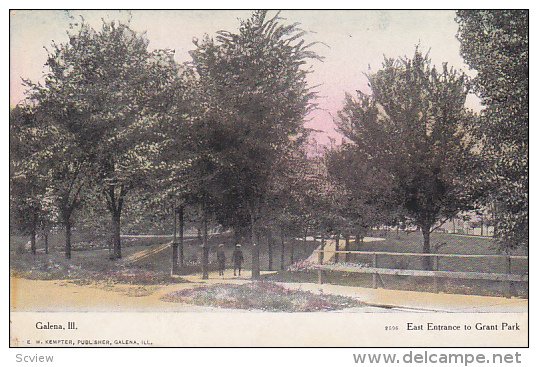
{"points": [[304, 240], [255, 247], [282, 249], [175, 225], [46, 240], [337, 248], [33, 241], [292, 250], [270, 249], [175, 268], [116, 225], [33, 232], [181, 230], [346, 248], [205, 248], [322, 246], [67, 225], [426, 260], [115, 205], [175, 245]]}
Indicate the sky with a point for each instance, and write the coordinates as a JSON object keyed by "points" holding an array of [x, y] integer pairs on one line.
{"points": [[352, 43]]}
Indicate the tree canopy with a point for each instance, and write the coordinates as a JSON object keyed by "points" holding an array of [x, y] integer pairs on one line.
{"points": [[495, 43], [410, 136]]}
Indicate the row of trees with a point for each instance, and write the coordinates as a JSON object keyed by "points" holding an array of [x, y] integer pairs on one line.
{"points": [[114, 122], [413, 153], [222, 138]]}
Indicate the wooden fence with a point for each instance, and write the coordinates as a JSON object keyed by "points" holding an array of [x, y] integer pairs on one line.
{"points": [[507, 277]]}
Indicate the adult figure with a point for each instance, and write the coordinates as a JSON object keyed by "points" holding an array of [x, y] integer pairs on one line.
{"points": [[221, 259], [237, 258]]}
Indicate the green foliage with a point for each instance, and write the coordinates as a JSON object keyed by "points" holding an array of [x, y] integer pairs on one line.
{"points": [[361, 195], [408, 141], [27, 196], [106, 95], [255, 99], [495, 43]]}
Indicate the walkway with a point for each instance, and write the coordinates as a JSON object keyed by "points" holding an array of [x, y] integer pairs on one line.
{"points": [[330, 245], [396, 300], [419, 301]]}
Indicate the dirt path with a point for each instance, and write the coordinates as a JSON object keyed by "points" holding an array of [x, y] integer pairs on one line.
{"points": [[419, 301], [140, 255], [61, 295], [330, 245]]}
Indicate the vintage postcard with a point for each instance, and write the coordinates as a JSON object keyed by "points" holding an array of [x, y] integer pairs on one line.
{"points": [[265, 178]]}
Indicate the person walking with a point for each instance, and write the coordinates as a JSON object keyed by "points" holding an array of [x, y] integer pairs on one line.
{"points": [[221, 259], [237, 258]]}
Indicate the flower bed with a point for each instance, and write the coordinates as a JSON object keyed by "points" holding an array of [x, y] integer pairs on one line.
{"points": [[265, 296]]}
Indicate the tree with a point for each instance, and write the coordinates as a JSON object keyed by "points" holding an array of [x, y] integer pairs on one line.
{"points": [[28, 190], [55, 163], [412, 131], [107, 90], [361, 193], [495, 43], [171, 185], [258, 83]]}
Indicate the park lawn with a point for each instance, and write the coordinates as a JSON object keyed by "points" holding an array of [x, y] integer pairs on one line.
{"points": [[449, 244], [405, 283], [94, 264], [193, 252], [412, 242], [89, 265], [264, 296]]}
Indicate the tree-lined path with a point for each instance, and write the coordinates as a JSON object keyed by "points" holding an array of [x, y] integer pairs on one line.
{"points": [[215, 146]]}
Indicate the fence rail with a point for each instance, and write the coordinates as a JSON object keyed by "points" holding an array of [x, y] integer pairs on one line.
{"points": [[507, 277], [418, 254]]}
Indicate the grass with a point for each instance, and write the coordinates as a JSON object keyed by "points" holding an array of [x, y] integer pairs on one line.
{"points": [[93, 267], [265, 296], [412, 242], [92, 264], [449, 244], [406, 283]]}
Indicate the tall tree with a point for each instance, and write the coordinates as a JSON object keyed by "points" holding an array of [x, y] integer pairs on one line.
{"points": [[28, 189], [258, 80], [107, 89], [413, 128], [495, 43], [361, 195], [59, 162]]}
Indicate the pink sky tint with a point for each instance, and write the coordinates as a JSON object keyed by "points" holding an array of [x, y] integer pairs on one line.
{"points": [[356, 41]]}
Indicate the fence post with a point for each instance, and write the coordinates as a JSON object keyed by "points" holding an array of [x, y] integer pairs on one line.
{"points": [[175, 267], [436, 279], [320, 262], [508, 284], [336, 248], [374, 276], [322, 246]]}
